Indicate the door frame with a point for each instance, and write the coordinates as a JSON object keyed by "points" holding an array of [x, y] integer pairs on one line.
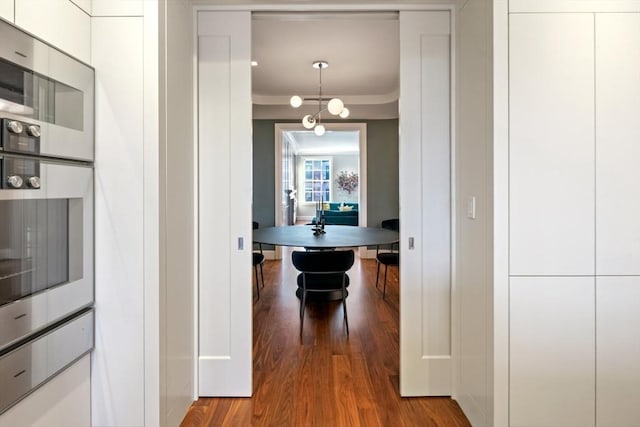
{"points": [[449, 7], [361, 127]]}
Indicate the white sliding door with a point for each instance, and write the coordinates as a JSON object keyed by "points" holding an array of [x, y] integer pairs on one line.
{"points": [[425, 203], [225, 185]]}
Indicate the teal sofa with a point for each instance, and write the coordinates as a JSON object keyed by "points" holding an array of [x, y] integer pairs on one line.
{"points": [[334, 216]]}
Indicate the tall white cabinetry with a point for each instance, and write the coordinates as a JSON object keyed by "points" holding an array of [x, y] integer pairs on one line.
{"points": [[617, 38], [574, 141], [6, 10]]}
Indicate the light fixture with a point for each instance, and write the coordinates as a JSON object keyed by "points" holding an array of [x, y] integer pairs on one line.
{"points": [[334, 106]]}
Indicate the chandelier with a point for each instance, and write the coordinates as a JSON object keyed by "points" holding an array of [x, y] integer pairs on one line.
{"points": [[334, 106]]}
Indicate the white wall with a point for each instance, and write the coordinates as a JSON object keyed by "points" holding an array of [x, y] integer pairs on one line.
{"points": [[118, 360], [6, 10], [176, 311], [69, 31], [473, 338], [349, 164]]}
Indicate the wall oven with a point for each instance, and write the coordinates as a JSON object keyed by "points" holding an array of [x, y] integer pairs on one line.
{"points": [[46, 213], [49, 89]]}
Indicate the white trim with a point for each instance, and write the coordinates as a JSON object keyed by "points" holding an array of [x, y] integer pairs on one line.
{"points": [[453, 319], [196, 211], [347, 7], [501, 213], [153, 252], [564, 6]]}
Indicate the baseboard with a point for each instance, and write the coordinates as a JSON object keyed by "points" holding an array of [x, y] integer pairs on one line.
{"points": [[269, 254]]}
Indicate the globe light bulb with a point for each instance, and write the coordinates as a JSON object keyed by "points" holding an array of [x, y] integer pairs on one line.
{"points": [[308, 121], [344, 113], [335, 106], [295, 101], [319, 130]]}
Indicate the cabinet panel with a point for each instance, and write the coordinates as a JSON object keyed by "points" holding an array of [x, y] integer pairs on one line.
{"points": [[63, 401], [117, 7], [618, 352], [551, 144], [552, 351], [6, 10], [70, 31], [617, 148]]}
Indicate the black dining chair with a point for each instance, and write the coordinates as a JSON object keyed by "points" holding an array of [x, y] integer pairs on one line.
{"points": [[323, 272], [390, 256], [258, 261]]}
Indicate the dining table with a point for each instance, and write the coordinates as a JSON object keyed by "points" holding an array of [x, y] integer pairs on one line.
{"points": [[331, 237], [334, 236]]}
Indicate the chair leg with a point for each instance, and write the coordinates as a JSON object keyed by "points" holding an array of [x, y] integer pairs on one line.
{"points": [[261, 275], [344, 308], [384, 289], [255, 270], [303, 302], [377, 272]]}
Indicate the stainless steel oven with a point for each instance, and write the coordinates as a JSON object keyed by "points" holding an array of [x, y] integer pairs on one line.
{"points": [[46, 212], [46, 243], [50, 90]]}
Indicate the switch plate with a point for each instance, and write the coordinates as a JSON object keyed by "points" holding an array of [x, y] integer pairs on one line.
{"points": [[471, 207]]}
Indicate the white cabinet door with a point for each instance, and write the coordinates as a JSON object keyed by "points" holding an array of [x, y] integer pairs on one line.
{"points": [[65, 400], [618, 144], [618, 353], [6, 10], [59, 22], [551, 144], [552, 351]]}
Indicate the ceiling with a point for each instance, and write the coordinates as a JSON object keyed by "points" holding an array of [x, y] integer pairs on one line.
{"points": [[362, 49]]}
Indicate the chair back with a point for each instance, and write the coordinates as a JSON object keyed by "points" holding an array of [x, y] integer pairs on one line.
{"points": [[323, 262], [391, 224], [255, 225]]}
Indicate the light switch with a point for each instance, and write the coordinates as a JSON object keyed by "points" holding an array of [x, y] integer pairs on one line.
{"points": [[471, 207]]}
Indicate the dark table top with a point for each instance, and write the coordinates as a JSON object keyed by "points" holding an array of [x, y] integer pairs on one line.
{"points": [[336, 236]]}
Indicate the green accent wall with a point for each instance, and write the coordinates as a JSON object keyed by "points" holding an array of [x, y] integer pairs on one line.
{"points": [[382, 170]]}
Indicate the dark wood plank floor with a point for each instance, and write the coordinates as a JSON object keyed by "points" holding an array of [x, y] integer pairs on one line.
{"points": [[327, 379]]}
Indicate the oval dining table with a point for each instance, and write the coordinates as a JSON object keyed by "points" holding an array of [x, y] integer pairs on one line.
{"points": [[334, 236]]}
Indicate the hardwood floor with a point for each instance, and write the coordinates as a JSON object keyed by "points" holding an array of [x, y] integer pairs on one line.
{"points": [[327, 378]]}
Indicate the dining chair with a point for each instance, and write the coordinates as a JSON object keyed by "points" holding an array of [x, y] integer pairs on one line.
{"points": [[323, 272], [390, 257], [258, 261]]}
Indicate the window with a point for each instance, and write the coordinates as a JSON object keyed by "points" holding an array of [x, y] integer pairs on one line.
{"points": [[317, 180]]}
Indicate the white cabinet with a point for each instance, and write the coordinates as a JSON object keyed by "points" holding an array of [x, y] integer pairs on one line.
{"points": [[6, 10], [63, 401], [618, 353], [618, 144], [118, 363], [59, 22], [551, 144], [116, 8], [552, 351]]}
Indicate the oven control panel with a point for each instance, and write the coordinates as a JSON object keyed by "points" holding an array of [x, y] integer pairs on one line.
{"points": [[17, 137]]}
